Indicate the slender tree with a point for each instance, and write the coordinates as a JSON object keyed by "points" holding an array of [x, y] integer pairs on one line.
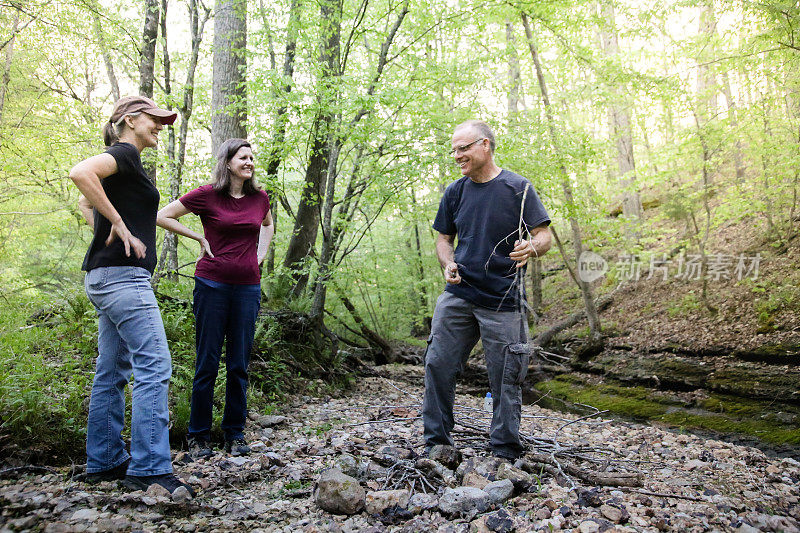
{"points": [[228, 92]]}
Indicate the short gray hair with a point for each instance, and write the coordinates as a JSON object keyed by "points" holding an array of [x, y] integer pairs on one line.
{"points": [[484, 130]]}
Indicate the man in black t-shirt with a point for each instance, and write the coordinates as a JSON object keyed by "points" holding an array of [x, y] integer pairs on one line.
{"points": [[482, 296]]}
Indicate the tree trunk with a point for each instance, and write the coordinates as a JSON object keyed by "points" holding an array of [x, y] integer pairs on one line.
{"points": [[9, 56], [276, 152], [170, 246], [228, 92], [706, 79], [168, 258], [336, 139], [619, 118], [586, 289], [101, 43], [306, 224], [734, 126], [147, 55], [513, 70], [147, 59]]}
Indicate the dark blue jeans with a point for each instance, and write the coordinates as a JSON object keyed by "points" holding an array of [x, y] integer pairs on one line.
{"points": [[223, 313]]}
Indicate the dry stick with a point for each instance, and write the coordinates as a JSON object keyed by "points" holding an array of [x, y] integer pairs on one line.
{"points": [[382, 420], [662, 495]]}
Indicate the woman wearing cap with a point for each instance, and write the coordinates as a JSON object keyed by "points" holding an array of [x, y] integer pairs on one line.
{"points": [[120, 203], [238, 228]]}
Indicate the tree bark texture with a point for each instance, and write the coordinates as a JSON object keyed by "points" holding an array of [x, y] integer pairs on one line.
{"points": [[228, 91], [147, 54]]}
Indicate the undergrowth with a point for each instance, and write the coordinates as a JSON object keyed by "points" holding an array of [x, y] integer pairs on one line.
{"points": [[47, 357]]}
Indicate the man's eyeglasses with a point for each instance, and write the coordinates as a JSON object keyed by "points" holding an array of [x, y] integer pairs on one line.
{"points": [[464, 147]]}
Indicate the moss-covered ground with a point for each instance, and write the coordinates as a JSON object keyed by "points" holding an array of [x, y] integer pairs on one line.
{"points": [[769, 422]]}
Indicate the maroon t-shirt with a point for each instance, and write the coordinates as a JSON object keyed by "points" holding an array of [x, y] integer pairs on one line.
{"points": [[231, 226]]}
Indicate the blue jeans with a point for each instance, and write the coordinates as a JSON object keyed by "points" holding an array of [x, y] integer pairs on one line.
{"points": [[130, 340], [223, 313], [457, 325]]}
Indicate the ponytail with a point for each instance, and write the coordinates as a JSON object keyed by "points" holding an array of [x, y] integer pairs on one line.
{"points": [[112, 131], [110, 135]]}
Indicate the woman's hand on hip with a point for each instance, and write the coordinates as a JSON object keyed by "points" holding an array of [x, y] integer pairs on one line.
{"points": [[119, 229]]}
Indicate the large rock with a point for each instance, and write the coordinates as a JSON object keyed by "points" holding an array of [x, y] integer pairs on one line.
{"points": [[521, 479], [484, 466], [422, 502], [463, 500], [380, 500], [474, 479], [500, 490], [449, 456], [338, 493], [437, 469], [349, 465], [390, 455]]}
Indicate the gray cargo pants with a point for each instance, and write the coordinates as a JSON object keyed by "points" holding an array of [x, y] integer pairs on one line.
{"points": [[457, 326]]}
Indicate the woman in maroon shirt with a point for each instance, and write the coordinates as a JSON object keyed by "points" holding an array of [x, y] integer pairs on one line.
{"points": [[238, 228]]}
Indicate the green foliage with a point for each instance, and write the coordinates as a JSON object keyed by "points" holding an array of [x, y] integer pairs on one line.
{"points": [[687, 305]]}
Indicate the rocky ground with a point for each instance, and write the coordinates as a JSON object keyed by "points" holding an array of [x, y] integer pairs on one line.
{"points": [[359, 455]]}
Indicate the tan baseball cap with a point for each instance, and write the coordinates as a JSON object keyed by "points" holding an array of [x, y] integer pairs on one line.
{"points": [[133, 104]]}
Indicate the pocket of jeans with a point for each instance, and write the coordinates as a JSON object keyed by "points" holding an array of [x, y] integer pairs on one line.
{"points": [[523, 352], [427, 347], [96, 277]]}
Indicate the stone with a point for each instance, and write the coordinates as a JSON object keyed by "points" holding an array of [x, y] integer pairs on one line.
{"points": [[181, 495], [500, 521], [746, 528], [588, 526], [422, 502], [589, 498], [543, 513], [268, 421], [550, 503], [339, 494], [390, 455], [485, 466], [348, 465], [615, 514], [157, 491], [474, 479], [379, 501], [447, 455], [500, 490], [85, 514], [521, 479], [463, 500], [696, 464]]}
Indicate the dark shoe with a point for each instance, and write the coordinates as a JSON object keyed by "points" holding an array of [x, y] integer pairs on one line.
{"points": [[199, 448], [237, 447], [168, 481], [112, 474]]}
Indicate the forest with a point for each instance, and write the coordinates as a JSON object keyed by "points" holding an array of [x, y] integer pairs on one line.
{"points": [[663, 138]]}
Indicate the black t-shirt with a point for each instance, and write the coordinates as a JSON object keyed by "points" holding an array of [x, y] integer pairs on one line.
{"points": [[485, 217], [135, 198]]}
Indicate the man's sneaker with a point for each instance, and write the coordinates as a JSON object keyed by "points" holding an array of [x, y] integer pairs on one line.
{"points": [[168, 481], [199, 449], [237, 447], [112, 474]]}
